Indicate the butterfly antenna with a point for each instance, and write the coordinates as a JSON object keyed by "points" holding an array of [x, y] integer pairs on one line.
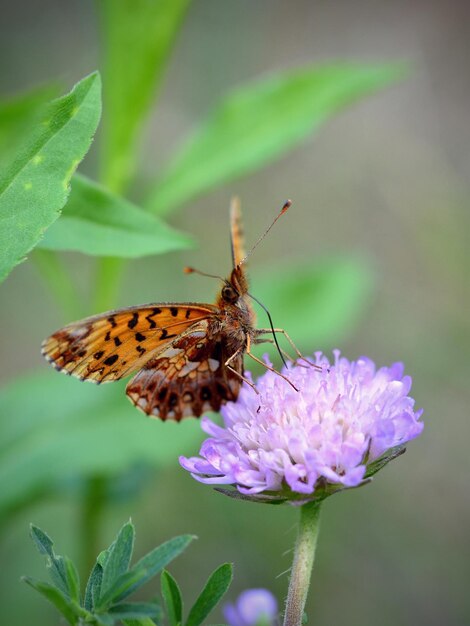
{"points": [[285, 206], [192, 270], [271, 324]]}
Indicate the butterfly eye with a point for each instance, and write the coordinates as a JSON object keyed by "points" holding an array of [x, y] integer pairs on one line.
{"points": [[229, 294]]}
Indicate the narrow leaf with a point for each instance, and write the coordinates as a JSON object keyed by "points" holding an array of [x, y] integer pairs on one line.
{"points": [[260, 122], [144, 621], [145, 569], [35, 186], [215, 588], [172, 597], [73, 581], [138, 36], [93, 587], [55, 564], [135, 610], [97, 222], [119, 556], [57, 598]]}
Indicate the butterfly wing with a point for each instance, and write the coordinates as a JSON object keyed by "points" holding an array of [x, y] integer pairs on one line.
{"points": [[187, 377], [237, 239], [109, 346]]}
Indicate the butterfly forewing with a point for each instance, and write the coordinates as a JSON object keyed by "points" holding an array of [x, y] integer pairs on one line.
{"points": [[107, 347], [237, 239]]}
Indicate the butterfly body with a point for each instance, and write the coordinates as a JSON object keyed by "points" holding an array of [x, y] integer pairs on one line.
{"points": [[188, 356]]}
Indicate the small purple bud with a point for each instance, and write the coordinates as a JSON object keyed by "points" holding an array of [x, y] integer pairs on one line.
{"points": [[254, 607]]}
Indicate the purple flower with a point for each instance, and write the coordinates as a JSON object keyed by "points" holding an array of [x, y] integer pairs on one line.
{"points": [[253, 607], [345, 422]]}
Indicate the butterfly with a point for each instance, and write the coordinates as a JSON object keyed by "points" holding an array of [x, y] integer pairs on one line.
{"points": [[188, 356]]}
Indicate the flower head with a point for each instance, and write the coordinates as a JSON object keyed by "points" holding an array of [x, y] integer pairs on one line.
{"points": [[252, 608], [345, 422]]}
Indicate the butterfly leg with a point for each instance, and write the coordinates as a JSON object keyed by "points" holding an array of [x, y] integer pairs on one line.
{"points": [[283, 352], [265, 365], [294, 347], [232, 369]]}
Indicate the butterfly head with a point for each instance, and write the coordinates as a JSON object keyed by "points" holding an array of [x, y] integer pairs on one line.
{"points": [[234, 287]]}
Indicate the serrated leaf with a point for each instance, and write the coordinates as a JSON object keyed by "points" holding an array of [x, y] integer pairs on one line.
{"points": [[137, 38], [119, 556], [317, 302], [145, 569], [35, 186], [97, 222], [69, 610], [60, 430], [261, 121], [93, 587], [215, 588], [55, 564], [135, 610], [172, 597]]}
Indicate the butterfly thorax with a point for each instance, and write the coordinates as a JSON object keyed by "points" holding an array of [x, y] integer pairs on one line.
{"points": [[236, 319]]}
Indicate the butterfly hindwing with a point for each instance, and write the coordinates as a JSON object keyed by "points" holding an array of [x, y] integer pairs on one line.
{"points": [[110, 346], [187, 377]]}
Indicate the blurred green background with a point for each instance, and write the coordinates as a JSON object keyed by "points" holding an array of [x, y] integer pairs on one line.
{"points": [[380, 216]]}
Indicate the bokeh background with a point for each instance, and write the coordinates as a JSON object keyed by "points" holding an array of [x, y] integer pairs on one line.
{"points": [[384, 184]]}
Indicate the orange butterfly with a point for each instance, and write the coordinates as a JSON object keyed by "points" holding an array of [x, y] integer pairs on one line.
{"points": [[189, 356]]}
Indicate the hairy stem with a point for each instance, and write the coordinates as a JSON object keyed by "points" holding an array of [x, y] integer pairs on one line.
{"points": [[304, 555]]}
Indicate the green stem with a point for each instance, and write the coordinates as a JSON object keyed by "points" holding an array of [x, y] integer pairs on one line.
{"points": [[108, 279], [59, 281], [93, 507], [304, 555]]}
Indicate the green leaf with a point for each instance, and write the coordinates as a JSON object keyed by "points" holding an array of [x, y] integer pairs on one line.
{"points": [[18, 115], [261, 121], [215, 588], [61, 430], [138, 36], [316, 303], [93, 587], [73, 581], [145, 569], [144, 621], [119, 556], [35, 186], [135, 610], [172, 597], [55, 564], [97, 222], [69, 610]]}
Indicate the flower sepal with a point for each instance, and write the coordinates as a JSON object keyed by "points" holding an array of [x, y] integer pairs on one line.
{"points": [[378, 464], [322, 491]]}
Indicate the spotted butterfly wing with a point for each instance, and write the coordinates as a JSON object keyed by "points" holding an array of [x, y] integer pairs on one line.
{"points": [[110, 346]]}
